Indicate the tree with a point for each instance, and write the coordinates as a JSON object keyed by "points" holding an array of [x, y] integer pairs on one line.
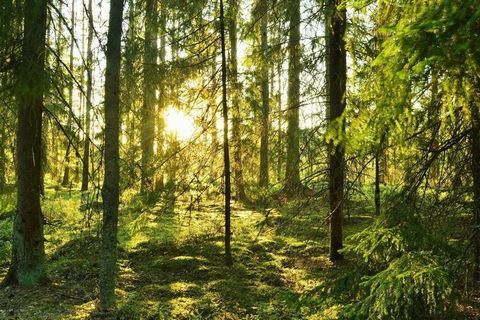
{"points": [[66, 172], [475, 155], [292, 171], [110, 190], [28, 252], [149, 95], [235, 99], [264, 166], [226, 149], [86, 146], [336, 65]]}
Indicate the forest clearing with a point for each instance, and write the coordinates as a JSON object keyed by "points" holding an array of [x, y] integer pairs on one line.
{"points": [[240, 159]]}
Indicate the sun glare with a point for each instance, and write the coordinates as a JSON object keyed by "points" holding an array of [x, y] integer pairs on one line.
{"points": [[179, 124]]}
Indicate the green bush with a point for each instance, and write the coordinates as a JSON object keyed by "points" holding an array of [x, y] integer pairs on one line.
{"points": [[406, 276], [414, 286]]}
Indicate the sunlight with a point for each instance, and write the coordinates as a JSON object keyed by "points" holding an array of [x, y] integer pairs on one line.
{"points": [[179, 124]]}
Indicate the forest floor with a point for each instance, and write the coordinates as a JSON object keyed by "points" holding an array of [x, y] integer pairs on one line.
{"points": [[171, 263]]}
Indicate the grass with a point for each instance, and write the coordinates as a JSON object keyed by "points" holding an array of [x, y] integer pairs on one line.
{"points": [[171, 263]]}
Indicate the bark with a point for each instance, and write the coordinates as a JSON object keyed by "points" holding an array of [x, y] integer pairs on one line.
{"points": [[280, 123], [226, 151], [148, 110], [66, 172], [475, 150], [3, 159], [292, 172], [28, 253], [86, 146], [161, 98], [234, 90], [264, 176], [110, 190], [377, 184], [336, 85]]}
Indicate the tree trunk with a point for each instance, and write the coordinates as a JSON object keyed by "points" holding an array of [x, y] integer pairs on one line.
{"points": [[475, 149], [3, 159], [86, 147], [264, 176], [377, 184], [161, 97], [148, 111], [66, 172], [236, 131], [28, 253], [292, 172], [226, 151], [336, 84], [110, 190]]}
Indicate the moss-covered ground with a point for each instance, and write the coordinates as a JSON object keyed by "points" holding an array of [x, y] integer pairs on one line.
{"points": [[171, 263]]}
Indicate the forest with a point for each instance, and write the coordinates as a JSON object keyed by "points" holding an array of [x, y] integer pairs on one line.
{"points": [[240, 159]]}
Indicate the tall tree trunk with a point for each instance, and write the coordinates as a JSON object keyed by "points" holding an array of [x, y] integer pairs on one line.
{"points": [[377, 184], [28, 253], [226, 151], [236, 131], [66, 172], [264, 177], [280, 123], [336, 84], [292, 172], [475, 150], [3, 159], [110, 190], [86, 146], [148, 111], [161, 97]]}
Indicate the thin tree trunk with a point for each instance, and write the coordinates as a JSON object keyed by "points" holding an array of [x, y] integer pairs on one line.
{"points": [[280, 123], [148, 111], [292, 172], [226, 151], [66, 172], [86, 147], [3, 159], [475, 149], [264, 176], [110, 190], [28, 252], [336, 85], [377, 184], [236, 131], [161, 98]]}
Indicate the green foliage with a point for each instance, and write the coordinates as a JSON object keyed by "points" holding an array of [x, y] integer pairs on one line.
{"points": [[407, 276], [415, 286]]}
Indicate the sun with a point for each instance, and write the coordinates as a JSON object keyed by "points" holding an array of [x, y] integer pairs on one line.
{"points": [[179, 124]]}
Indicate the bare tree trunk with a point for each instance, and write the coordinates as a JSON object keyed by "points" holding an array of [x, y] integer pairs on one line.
{"points": [[336, 85], [3, 159], [377, 184], [292, 172], [161, 98], [148, 111], [475, 149], [110, 190], [66, 172], [28, 252], [86, 147], [226, 151], [236, 130], [264, 176]]}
